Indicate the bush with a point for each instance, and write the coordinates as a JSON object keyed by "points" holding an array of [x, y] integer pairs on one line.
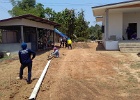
{"points": [[80, 39]]}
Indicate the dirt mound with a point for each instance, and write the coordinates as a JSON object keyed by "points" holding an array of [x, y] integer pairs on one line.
{"points": [[81, 45]]}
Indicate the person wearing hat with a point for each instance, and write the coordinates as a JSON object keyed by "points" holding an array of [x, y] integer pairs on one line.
{"points": [[55, 52], [26, 56]]}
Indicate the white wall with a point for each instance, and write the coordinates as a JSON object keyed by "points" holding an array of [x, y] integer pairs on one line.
{"points": [[111, 45], [12, 47], [131, 18], [103, 23], [115, 25]]}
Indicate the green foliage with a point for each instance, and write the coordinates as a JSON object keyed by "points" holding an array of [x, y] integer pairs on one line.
{"points": [[135, 66], [27, 7], [73, 24], [95, 32], [132, 79], [69, 21], [81, 25], [138, 74], [24, 4], [80, 39], [50, 14]]}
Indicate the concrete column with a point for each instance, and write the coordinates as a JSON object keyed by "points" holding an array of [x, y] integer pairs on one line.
{"points": [[37, 37], [107, 24], [22, 34], [53, 38]]}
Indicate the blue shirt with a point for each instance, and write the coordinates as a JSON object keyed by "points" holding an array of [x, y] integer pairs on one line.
{"points": [[25, 56]]}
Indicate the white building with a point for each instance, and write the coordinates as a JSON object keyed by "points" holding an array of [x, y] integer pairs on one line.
{"points": [[115, 19]]}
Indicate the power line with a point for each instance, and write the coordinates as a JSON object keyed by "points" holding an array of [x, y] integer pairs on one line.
{"points": [[71, 4], [60, 4]]}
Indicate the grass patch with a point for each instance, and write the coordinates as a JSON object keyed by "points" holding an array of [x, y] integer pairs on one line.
{"points": [[135, 66], [131, 79], [135, 91], [5, 58], [138, 74], [11, 57], [1, 95]]}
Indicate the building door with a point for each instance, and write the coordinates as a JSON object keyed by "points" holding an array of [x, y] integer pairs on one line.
{"points": [[133, 26]]}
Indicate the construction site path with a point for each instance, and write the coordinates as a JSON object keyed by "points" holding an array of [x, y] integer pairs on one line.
{"points": [[87, 72]]}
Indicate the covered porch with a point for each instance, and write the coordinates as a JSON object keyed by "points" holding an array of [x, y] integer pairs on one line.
{"points": [[115, 19]]}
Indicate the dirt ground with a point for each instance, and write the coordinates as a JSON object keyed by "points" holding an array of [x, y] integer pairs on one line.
{"points": [[87, 72]]}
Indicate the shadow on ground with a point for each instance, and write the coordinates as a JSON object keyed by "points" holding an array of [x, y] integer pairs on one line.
{"points": [[100, 47]]}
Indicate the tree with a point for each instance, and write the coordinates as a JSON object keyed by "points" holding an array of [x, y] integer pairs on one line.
{"points": [[81, 26], [24, 4], [66, 18], [95, 32], [72, 24], [50, 14], [27, 7], [39, 10], [69, 18]]}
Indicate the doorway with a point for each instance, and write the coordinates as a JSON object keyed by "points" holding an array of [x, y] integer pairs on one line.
{"points": [[132, 31], [133, 26]]}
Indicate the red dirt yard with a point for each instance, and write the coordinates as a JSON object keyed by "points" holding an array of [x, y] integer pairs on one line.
{"points": [[87, 72]]}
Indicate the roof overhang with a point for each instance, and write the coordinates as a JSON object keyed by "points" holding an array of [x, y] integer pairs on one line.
{"points": [[127, 6], [32, 18], [99, 19]]}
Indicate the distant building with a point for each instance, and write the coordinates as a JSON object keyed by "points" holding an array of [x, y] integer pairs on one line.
{"points": [[35, 31], [115, 19]]}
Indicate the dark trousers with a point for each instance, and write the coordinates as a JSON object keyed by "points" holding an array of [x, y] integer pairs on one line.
{"points": [[129, 36], [29, 65], [69, 46], [61, 44], [66, 44]]}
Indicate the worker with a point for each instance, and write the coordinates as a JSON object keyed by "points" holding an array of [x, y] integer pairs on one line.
{"points": [[61, 42], [69, 43], [26, 56], [55, 52]]}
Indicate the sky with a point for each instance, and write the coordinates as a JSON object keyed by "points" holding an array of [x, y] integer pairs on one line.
{"points": [[60, 5]]}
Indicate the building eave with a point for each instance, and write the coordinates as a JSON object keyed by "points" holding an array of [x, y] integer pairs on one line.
{"points": [[99, 10], [33, 18]]}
